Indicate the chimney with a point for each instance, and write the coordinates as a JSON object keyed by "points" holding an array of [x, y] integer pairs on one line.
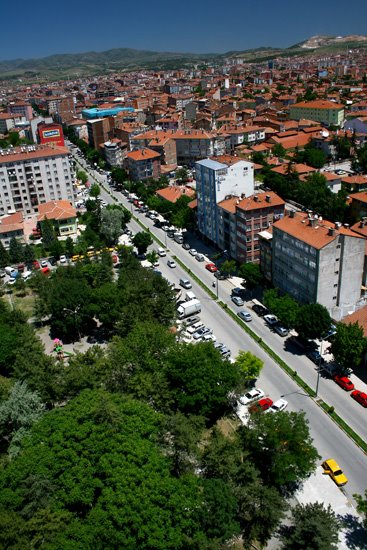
{"points": [[292, 213], [362, 223], [256, 198], [346, 225], [268, 198], [312, 222], [331, 231]]}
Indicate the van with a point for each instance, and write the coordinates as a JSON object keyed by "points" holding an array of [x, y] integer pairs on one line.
{"points": [[161, 252], [185, 283]]}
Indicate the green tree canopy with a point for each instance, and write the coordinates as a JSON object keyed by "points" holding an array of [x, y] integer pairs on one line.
{"points": [[284, 307], [251, 274], [348, 345], [82, 176], [249, 366], [142, 240], [312, 526], [112, 221], [313, 321], [16, 253], [4, 256]]}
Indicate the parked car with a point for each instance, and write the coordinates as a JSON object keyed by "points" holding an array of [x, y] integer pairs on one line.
{"points": [[244, 315], [220, 276], [36, 265], [344, 382], [238, 301], [200, 257], [332, 468], [194, 327], [238, 291], [193, 251], [186, 246], [282, 331], [52, 260], [260, 310], [44, 263], [271, 320], [211, 267], [185, 283], [278, 406], [171, 264], [261, 405], [251, 396], [360, 397], [63, 259], [208, 338], [191, 321], [201, 332]]}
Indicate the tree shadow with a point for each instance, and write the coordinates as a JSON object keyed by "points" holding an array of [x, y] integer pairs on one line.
{"points": [[355, 533]]}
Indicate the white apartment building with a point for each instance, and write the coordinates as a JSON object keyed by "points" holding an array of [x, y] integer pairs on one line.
{"points": [[216, 181], [31, 175]]}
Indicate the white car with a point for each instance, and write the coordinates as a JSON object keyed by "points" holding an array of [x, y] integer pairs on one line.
{"points": [[271, 320], [193, 251], [171, 264], [194, 327], [44, 263], [250, 396], [63, 259], [208, 338], [278, 406]]}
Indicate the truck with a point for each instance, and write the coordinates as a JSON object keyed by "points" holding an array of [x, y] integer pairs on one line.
{"points": [[188, 308]]}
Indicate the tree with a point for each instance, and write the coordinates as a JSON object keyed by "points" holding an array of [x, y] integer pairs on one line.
{"points": [[251, 274], [112, 221], [48, 233], [312, 526], [228, 267], [313, 321], [142, 240], [95, 191], [348, 345], [199, 380], [152, 257], [15, 250], [110, 484], [82, 176], [281, 446], [278, 150], [249, 365], [69, 247], [284, 307], [362, 506], [314, 157], [4, 256], [17, 414], [29, 254], [182, 175]]}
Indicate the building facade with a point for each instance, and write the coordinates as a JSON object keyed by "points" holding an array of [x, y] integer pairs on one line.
{"points": [[318, 261], [143, 164], [326, 112], [32, 175], [214, 182]]}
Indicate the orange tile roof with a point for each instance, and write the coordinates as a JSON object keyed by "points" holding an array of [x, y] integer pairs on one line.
{"points": [[360, 197], [254, 202], [175, 192], [14, 222], [318, 104], [316, 236], [142, 154], [299, 168], [360, 317], [355, 180], [17, 154], [56, 210]]}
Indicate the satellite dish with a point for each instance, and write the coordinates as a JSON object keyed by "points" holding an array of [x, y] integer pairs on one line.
{"points": [[325, 133]]}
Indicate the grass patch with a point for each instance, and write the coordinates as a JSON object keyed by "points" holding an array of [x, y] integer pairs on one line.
{"points": [[23, 303]]}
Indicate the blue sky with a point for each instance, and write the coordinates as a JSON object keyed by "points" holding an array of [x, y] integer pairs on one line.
{"points": [[37, 29]]}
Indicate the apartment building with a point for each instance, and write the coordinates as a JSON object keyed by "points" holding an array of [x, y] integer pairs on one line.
{"points": [[8, 122], [318, 261], [326, 112], [216, 181], [99, 130], [32, 175], [241, 220], [143, 164], [22, 109]]}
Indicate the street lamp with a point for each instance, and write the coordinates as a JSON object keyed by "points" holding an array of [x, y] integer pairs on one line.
{"points": [[74, 312], [319, 369]]}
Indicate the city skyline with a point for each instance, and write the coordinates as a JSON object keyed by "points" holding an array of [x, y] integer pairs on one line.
{"points": [[200, 28]]}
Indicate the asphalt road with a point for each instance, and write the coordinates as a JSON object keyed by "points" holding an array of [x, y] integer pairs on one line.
{"points": [[328, 438]]}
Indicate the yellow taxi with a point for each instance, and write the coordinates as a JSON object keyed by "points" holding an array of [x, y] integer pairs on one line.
{"points": [[332, 468], [75, 258]]}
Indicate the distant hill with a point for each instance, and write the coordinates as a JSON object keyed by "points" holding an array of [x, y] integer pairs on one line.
{"points": [[80, 64]]}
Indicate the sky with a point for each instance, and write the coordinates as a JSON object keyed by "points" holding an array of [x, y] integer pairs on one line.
{"points": [[41, 28]]}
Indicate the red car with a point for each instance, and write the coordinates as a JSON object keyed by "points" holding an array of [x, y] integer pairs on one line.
{"points": [[360, 397], [262, 405], [36, 265], [211, 267], [344, 382]]}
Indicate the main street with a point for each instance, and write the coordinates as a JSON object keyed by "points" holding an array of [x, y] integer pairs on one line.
{"points": [[329, 439]]}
